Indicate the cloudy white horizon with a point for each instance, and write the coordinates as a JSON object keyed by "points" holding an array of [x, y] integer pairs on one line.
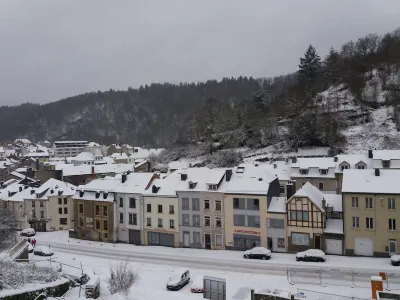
{"points": [[55, 49]]}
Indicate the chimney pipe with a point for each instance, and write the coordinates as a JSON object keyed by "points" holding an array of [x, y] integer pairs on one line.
{"points": [[335, 159], [275, 166], [377, 172], [124, 177], [92, 170], [370, 154], [32, 191], [228, 174], [154, 189], [183, 177]]}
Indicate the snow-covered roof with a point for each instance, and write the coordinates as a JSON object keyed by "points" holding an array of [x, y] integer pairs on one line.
{"points": [[92, 196], [352, 160], [119, 156], [71, 170], [2, 150], [145, 153], [37, 154], [19, 175], [250, 180], [277, 205], [166, 187], [70, 142], [141, 163], [24, 141], [11, 188], [93, 144], [314, 162], [386, 154], [200, 177], [335, 201], [108, 160], [365, 181], [21, 170], [334, 226], [312, 193], [84, 156], [216, 177], [279, 168], [136, 183], [116, 146]]}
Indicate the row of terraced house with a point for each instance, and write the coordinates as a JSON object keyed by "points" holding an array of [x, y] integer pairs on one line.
{"points": [[344, 205]]}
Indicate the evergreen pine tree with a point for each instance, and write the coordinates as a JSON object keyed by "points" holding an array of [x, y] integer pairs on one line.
{"points": [[332, 66], [309, 65]]}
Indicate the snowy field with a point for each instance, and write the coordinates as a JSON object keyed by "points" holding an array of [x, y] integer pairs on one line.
{"points": [[154, 265]]}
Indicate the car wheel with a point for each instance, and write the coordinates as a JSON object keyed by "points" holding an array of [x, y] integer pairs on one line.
{"points": [[246, 256], [263, 258], [297, 259]]}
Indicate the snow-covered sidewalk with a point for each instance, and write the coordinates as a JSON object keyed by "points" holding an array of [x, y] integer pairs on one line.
{"points": [[60, 240]]}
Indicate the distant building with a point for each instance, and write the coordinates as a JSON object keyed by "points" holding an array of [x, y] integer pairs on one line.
{"points": [[69, 148]]}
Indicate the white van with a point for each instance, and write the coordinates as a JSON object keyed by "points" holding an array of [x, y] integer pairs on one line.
{"points": [[178, 279]]}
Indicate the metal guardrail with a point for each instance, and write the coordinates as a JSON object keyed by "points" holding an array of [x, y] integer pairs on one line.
{"points": [[314, 295], [21, 245]]}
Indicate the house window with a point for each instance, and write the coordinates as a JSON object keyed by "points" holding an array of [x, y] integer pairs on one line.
{"points": [[196, 221], [81, 222], [354, 202], [60, 210], [239, 203], [386, 163], [132, 219], [105, 225], [97, 222], [41, 203], [218, 206], [212, 187], [282, 189], [369, 223], [65, 210], [392, 224], [196, 237], [356, 222], [121, 202], [239, 220], [148, 207], [253, 204], [105, 211], [253, 221], [33, 204], [196, 204], [218, 239], [160, 209], [281, 243], [303, 171], [185, 203], [42, 214], [323, 171], [171, 223], [63, 221], [321, 186], [185, 220], [207, 222], [344, 167], [132, 203], [59, 201], [360, 167], [299, 215], [206, 204], [160, 223], [300, 239], [368, 202], [148, 222], [391, 203], [65, 201], [218, 222], [121, 218], [276, 223], [81, 208], [97, 210]]}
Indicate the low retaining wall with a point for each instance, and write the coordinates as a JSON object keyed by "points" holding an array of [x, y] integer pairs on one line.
{"points": [[53, 289]]}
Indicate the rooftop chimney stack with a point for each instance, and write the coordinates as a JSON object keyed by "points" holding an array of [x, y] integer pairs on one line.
{"points": [[370, 153], [124, 177], [183, 177], [335, 159], [228, 174], [377, 172]]}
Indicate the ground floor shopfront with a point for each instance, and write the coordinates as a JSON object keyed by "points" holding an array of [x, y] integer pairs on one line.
{"points": [[161, 238]]}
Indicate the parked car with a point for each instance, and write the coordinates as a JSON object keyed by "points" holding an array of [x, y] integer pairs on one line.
{"points": [[311, 255], [30, 248], [258, 253], [92, 288], [43, 251], [395, 259], [197, 285], [28, 232], [178, 279]]}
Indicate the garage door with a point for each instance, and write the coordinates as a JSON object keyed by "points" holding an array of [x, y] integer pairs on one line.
{"points": [[134, 237], [161, 239], [363, 247], [334, 246]]}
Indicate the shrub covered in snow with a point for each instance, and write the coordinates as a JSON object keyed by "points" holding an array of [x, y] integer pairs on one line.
{"points": [[224, 159], [14, 275], [8, 223], [122, 277]]}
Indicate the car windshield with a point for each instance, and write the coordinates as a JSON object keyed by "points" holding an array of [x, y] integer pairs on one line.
{"points": [[175, 276]]}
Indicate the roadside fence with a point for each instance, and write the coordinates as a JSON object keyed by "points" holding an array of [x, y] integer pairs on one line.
{"points": [[325, 277], [314, 295]]}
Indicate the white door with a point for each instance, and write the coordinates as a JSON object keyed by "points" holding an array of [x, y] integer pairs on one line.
{"points": [[186, 239], [334, 246], [392, 247], [363, 247]]}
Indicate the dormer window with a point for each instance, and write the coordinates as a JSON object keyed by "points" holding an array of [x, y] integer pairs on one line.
{"points": [[240, 170], [344, 167], [212, 187], [360, 167], [303, 171], [192, 185], [386, 163], [323, 171]]}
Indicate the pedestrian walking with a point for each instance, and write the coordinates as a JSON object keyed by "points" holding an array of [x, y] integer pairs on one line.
{"points": [[34, 242], [29, 240]]}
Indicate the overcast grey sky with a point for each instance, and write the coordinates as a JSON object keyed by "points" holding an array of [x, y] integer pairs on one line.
{"points": [[52, 49]]}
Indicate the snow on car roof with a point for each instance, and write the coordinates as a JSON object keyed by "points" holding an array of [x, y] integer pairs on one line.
{"points": [[366, 182]]}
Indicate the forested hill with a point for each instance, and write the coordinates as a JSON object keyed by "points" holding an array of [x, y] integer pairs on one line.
{"points": [[312, 106]]}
